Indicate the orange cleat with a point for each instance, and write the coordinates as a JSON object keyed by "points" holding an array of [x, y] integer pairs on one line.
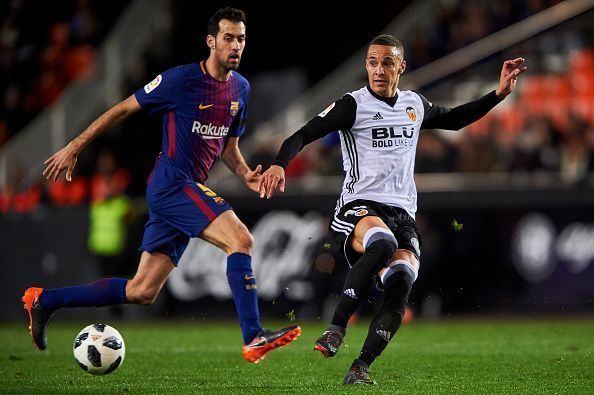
{"points": [[38, 317], [267, 340]]}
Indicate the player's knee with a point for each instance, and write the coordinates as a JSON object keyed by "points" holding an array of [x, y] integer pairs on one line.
{"points": [[381, 242], [383, 250], [385, 247], [243, 241]]}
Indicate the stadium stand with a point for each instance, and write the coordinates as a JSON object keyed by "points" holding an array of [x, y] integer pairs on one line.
{"points": [[553, 111]]}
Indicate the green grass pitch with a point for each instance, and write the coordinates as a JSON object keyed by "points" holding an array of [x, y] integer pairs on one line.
{"points": [[183, 357]]}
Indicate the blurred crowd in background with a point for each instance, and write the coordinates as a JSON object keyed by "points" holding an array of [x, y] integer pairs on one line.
{"points": [[43, 48], [547, 125]]}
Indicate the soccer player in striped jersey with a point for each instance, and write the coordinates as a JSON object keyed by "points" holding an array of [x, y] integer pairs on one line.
{"points": [[204, 108], [374, 221]]}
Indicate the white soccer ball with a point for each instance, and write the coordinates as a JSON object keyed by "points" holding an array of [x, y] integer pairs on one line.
{"points": [[99, 349]]}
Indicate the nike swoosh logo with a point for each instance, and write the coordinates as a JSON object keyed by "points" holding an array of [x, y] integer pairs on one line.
{"points": [[202, 106], [259, 344], [249, 277]]}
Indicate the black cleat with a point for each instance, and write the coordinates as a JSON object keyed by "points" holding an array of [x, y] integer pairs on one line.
{"points": [[267, 340], [358, 374], [38, 317], [328, 343]]}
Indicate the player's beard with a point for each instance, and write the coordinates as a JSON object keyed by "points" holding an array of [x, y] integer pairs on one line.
{"points": [[229, 66]]}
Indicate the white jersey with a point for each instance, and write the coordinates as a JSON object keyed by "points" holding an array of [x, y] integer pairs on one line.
{"points": [[379, 139], [379, 150]]}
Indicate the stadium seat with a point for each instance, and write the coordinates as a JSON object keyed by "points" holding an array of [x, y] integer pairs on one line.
{"points": [[581, 61]]}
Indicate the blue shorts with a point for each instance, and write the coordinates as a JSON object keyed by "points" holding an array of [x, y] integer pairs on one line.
{"points": [[178, 210]]}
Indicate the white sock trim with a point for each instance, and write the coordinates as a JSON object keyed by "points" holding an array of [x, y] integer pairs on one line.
{"points": [[399, 264], [377, 230]]}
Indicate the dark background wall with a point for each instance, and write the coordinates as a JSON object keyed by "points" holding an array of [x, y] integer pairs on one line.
{"points": [[517, 252]]}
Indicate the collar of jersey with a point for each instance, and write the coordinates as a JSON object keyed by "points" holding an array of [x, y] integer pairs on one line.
{"points": [[391, 101], [205, 72]]}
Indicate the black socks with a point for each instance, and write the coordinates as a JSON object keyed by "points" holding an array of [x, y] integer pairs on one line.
{"points": [[361, 279], [387, 320]]}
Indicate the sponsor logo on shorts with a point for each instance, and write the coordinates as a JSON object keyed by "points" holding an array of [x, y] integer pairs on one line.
{"points": [[358, 211]]}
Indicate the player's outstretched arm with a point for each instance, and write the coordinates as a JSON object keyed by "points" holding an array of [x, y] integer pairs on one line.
{"points": [[65, 159], [439, 117], [338, 116], [234, 160], [272, 179], [510, 71]]}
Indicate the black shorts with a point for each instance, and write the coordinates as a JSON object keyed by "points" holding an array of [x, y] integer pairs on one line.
{"points": [[401, 224]]}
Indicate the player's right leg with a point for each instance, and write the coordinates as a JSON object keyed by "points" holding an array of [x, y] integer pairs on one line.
{"points": [[375, 243], [228, 233], [143, 288]]}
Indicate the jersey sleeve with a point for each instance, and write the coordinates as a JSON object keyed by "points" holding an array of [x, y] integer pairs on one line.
{"points": [[439, 117], [240, 120], [162, 93], [340, 115]]}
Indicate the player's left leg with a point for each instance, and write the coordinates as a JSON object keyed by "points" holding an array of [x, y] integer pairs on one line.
{"points": [[375, 243], [397, 280], [143, 288], [227, 232]]}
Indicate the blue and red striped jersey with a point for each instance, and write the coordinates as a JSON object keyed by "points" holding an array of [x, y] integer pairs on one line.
{"points": [[199, 113]]}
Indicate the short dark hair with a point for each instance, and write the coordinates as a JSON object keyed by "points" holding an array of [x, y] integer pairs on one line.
{"points": [[231, 14], [388, 40]]}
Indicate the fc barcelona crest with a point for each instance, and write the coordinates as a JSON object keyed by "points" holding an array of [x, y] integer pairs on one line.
{"points": [[412, 115], [234, 108]]}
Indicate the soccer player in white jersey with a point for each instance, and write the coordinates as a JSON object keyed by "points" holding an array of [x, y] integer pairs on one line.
{"points": [[374, 219]]}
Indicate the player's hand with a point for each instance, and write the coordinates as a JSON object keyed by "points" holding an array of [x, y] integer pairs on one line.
{"points": [[272, 179], [64, 159], [509, 73], [252, 178]]}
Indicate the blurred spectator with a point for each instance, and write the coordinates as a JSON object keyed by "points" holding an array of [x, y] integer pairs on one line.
{"points": [[330, 158], [575, 152], [434, 154], [537, 146], [109, 180], [19, 196], [476, 154], [263, 154], [110, 213], [62, 193]]}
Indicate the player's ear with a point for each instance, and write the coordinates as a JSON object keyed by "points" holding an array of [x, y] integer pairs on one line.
{"points": [[210, 41], [402, 67]]}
